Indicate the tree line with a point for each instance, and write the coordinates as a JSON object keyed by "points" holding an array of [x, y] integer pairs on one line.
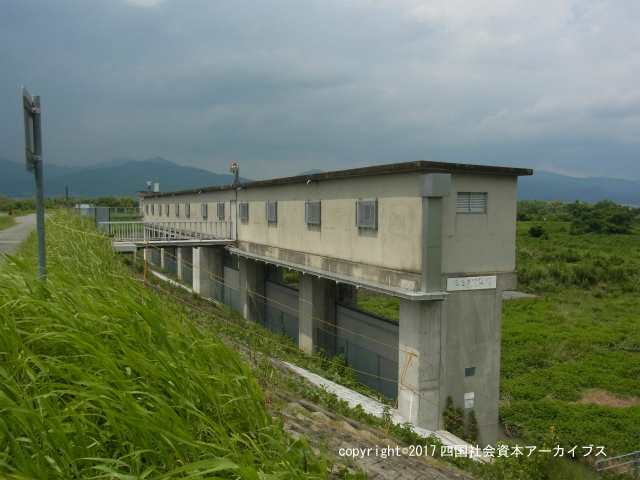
{"points": [[603, 217], [29, 204]]}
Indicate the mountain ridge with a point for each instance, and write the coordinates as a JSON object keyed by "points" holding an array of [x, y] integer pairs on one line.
{"points": [[124, 176], [117, 177]]}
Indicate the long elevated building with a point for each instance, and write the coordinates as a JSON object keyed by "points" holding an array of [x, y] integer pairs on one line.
{"points": [[438, 236]]}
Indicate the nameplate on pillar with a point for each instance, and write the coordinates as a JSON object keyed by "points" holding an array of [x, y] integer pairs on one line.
{"points": [[471, 283]]}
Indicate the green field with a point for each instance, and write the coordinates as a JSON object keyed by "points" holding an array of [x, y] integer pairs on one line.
{"points": [[571, 357]]}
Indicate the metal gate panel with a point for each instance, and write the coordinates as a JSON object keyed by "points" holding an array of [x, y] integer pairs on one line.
{"points": [[279, 318], [371, 357], [231, 294]]}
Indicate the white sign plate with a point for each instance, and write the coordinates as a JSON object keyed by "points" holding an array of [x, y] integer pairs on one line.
{"points": [[471, 283]]}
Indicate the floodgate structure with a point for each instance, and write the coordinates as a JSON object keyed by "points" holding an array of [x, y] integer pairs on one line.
{"points": [[440, 237]]}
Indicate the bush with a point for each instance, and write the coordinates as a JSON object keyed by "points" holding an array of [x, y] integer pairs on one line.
{"points": [[537, 231]]}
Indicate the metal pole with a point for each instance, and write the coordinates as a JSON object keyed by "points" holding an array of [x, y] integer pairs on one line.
{"points": [[37, 150]]}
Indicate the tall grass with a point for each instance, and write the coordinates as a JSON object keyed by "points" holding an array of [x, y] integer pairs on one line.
{"points": [[99, 378]]}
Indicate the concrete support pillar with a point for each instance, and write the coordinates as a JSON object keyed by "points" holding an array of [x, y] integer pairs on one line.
{"points": [[162, 257], [186, 255], [207, 270], [458, 342], [317, 300], [179, 257], [253, 281], [420, 333]]}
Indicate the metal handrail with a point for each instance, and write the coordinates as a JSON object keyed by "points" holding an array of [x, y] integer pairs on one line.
{"points": [[634, 464], [166, 231]]}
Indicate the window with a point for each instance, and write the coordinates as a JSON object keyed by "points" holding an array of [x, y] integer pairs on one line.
{"points": [[312, 213], [187, 210], [177, 209], [272, 211], [153, 209], [146, 208], [166, 209], [367, 214], [471, 202], [204, 210], [244, 211], [160, 209], [221, 210]]}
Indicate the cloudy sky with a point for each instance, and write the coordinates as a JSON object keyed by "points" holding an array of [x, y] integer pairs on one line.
{"points": [[284, 86]]}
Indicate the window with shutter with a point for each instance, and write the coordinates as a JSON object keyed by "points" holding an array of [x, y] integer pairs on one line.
{"points": [[472, 202], [272, 211], [243, 211], [367, 214], [312, 213]]}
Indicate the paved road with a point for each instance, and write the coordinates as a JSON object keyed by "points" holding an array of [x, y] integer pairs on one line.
{"points": [[11, 238]]}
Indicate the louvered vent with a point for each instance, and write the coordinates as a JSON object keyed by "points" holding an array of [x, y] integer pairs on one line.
{"points": [[312, 213], [367, 214], [472, 202]]}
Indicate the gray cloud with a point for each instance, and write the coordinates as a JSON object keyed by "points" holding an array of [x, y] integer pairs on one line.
{"points": [[283, 86]]}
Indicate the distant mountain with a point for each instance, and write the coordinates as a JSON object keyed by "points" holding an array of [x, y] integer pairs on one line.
{"points": [[309, 172], [118, 177], [549, 186], [125, 176]]}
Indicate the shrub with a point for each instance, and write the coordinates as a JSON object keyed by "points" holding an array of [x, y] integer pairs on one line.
{"points": [[537, 231]]}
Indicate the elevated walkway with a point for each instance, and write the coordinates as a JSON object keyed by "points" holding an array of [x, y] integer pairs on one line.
{"points": [[129, 236]]}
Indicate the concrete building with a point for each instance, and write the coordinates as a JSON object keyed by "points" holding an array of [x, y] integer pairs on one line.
{"points": [[438, 236]]}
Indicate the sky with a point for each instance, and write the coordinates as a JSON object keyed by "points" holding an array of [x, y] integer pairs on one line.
{"points": [[283, 86]]}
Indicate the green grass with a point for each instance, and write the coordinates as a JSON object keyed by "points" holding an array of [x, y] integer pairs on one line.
{"points": [[6, 222], [103, 379], [582, 334], [383, 305]]}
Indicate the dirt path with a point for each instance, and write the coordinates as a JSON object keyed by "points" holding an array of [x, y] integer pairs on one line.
{"points": [[11, 238]]}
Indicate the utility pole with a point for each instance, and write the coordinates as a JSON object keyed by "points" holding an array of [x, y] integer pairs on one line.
{"points": [[33, 143]]}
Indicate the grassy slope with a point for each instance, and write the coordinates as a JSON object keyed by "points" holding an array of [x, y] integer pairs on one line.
{"points": [[6, 222], [581, 334], [101, 377]]}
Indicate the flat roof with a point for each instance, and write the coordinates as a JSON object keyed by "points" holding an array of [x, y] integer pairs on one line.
{"points": [[422, 166]]}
